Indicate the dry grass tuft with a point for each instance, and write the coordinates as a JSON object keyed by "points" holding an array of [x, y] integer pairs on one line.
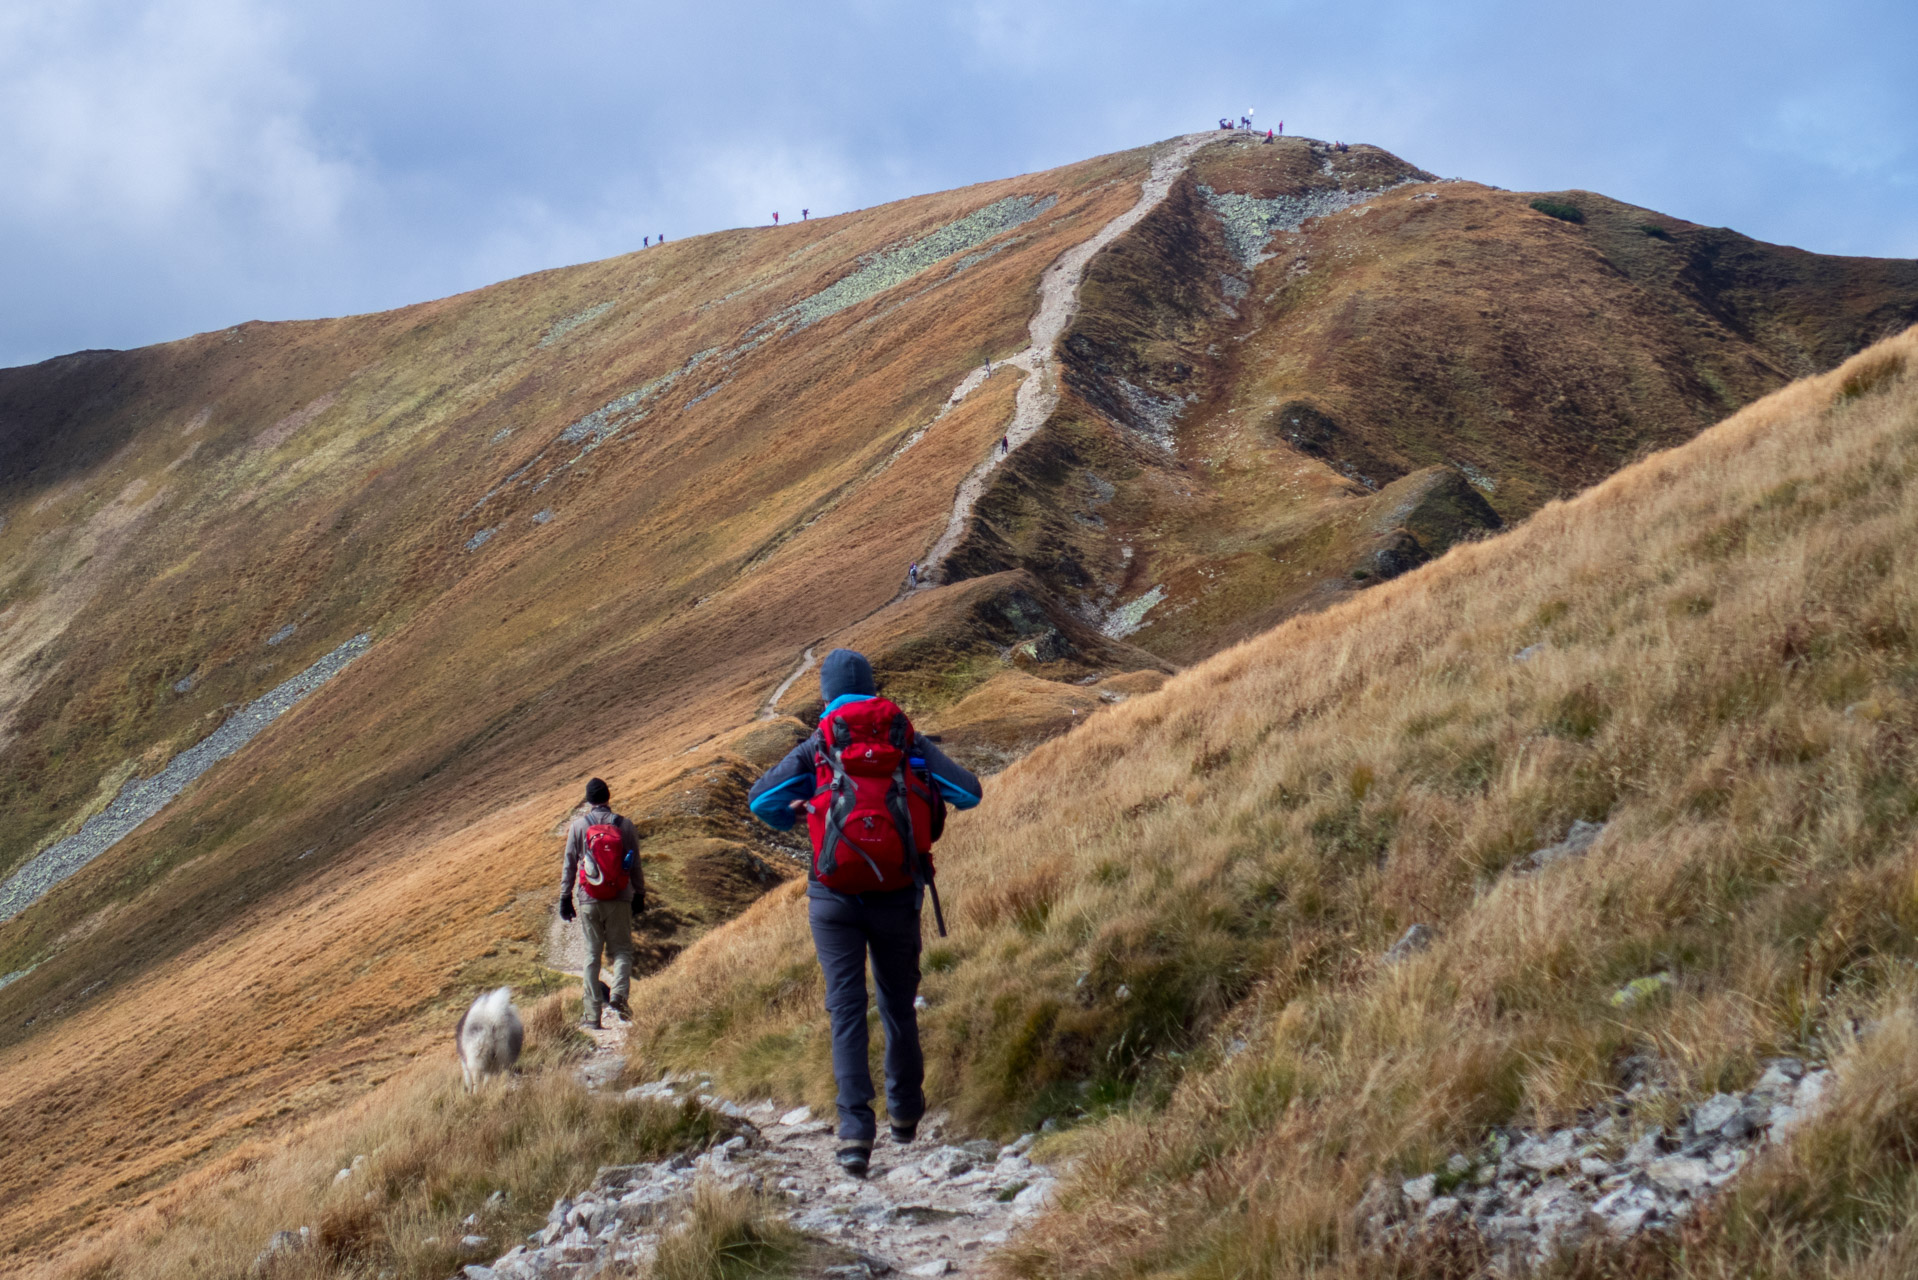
{"points": [[729, 1234], [1169, 921]]}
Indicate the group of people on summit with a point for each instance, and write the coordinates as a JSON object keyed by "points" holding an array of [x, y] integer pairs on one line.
{"points": [[874, 793]]}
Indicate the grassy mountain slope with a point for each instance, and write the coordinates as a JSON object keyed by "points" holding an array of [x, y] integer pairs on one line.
{"points": [[270, 945], [593, 518], [1413, 324], [1171, 919]]}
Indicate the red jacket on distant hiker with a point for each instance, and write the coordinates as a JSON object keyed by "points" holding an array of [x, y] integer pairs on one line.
{"points": [[613, 894]]}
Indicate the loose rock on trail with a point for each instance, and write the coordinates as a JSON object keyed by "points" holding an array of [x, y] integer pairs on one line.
{"points": [[930, 1209]]}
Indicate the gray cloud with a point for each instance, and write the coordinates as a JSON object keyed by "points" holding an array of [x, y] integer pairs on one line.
{"points": [[180, 165]]}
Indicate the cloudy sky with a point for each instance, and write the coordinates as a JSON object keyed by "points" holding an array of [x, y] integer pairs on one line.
{"points": [[172, 166]]}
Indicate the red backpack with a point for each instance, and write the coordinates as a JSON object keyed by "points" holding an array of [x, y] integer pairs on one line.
{"points": [[872, 815], [602, 867]]}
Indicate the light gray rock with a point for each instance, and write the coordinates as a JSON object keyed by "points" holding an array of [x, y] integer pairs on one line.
{"points": [[1715, 1112], [1035, 1198], [947, 1162], [1579, 840], [937, 1267], [1683, 1175], [1781, 1075], [1549, 1155], [797, 1116], [1646, 1149], [1811, 1092], [1414, 940], [1442, 1209], [278, 1244]]}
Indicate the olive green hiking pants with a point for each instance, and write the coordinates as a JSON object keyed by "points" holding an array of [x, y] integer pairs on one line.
{"points": [[607, 927]]}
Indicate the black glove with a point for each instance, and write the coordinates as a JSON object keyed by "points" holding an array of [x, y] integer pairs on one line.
{"points": [[639, 905], [566, 911]]}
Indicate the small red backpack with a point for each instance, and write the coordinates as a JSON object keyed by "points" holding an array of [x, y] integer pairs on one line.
{"points": [[871, 816], [602, 867]]}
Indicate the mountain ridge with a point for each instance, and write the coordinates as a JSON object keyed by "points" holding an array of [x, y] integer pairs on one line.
{"points": [[169, 511]]}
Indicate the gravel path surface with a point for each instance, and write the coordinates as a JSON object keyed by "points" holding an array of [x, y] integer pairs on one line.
{"points": [[1058, 300], [771, 708], [929, 1209], [141, 798]]}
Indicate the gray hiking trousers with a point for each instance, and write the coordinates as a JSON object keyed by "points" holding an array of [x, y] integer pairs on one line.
{"points": [[845, 930], [607, 927]]}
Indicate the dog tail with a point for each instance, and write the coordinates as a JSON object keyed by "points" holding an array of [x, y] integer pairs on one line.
{"points": [[493, 1007]]}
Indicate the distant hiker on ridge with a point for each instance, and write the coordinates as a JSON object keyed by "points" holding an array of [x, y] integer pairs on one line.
{"points": [[645, 242], [875, 793], [805, 214], [602, 857], [775, 217], [912, 574]]}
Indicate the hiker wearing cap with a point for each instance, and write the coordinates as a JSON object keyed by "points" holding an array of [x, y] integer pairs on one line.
{"points": [[602, 862], [874, 792]]}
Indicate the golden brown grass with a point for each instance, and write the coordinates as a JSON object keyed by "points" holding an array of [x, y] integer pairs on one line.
{"points": [[1726, 672], [425, 1153], [729, 1233], [249, 986]]}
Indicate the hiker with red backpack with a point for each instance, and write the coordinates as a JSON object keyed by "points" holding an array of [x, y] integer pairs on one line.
{"points": [[602, 861], [875, 793]]}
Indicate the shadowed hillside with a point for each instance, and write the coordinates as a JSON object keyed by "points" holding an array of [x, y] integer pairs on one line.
{"points": [[593, 520]]}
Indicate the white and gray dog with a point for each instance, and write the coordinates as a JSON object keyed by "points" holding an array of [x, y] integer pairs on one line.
{"points": [[489, 1036]]}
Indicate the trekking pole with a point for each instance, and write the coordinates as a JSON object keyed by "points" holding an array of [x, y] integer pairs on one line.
{"points": [[939, 917]]}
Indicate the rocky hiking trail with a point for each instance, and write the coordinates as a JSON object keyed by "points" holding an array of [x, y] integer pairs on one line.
{"points": [[1038, 394], [931, 1209], [1058, 300]]}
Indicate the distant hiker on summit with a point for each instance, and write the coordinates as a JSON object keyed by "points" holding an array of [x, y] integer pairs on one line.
{"points": [[874, 792], [602, 857]]}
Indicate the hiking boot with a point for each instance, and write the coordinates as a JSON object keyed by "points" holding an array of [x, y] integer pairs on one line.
{"points": [[903, 1134], [621, 1008], [590, 1022], [855, 1161]]}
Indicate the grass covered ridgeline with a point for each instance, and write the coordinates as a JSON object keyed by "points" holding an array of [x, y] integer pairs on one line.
{"points": [[1169, 923]]}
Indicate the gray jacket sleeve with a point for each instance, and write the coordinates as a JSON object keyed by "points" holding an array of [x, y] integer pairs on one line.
{"points": [[575, 845]]}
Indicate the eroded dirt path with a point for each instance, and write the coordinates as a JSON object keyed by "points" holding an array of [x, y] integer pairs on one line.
{"points": [[1038, 393], [1058, 300]]}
